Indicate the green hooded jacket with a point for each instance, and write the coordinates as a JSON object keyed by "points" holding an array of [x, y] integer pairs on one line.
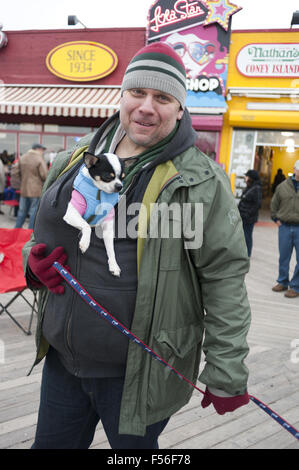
{"points": [[191, 293]]}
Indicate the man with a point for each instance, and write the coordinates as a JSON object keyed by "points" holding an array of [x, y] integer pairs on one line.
{"points": [[285, 212], [2, 181], [169, 292], [33, 173]]}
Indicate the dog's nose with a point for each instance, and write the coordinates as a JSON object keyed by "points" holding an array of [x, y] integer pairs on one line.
{"points": [[118, 187]]}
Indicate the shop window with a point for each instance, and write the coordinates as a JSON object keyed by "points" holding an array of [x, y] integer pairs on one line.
{"points": [[26, 141], [9, 127], [277, 138], [8, 146], [53, 144], [31, 127], [207, 142], [242, 157], [74, 130]]}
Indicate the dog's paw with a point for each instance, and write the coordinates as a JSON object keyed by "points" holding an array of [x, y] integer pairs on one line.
{"points": [[114, 269], [84, 243]]}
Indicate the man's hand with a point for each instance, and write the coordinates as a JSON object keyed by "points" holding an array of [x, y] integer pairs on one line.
{"points": [[224, 404], [41, 266]]}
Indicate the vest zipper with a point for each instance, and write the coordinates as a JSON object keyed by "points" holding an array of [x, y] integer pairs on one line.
{"points": [[68, 330]]}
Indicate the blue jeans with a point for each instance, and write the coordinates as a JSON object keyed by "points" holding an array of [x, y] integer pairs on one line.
{"points": [[27, 205], [248, 230], [70, 409], [288, 238]]}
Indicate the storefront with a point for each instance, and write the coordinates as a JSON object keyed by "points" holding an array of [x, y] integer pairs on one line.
{"points": [[58, 85], [200, 33], [261, 126]]}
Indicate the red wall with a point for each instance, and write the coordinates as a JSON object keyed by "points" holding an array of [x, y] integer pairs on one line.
{"points": [[23, 59]]}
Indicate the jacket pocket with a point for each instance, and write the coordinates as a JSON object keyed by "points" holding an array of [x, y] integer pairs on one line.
{"points": [[178, 342], [181, 349]]}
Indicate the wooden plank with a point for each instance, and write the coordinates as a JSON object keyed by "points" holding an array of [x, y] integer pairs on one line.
{"points": [[273, 377]]}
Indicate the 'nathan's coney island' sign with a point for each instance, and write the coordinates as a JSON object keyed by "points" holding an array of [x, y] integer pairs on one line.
{"points": [[269, 60]]}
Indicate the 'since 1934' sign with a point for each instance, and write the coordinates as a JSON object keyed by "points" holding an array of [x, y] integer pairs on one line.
{"points": [[81, 61]]}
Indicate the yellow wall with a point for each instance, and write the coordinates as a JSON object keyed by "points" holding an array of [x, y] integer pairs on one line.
{"points": [[239, 40], [284, 160], [237, 115]]}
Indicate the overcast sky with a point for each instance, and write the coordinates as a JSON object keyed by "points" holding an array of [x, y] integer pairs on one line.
{"points": [[50, 14]]}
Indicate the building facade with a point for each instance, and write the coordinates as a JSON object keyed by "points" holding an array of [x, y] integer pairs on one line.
{"points": [[261, 125], [58, 85]]}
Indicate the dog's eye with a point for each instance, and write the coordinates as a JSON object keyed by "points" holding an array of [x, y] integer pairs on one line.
{"points": [[107, 177]]}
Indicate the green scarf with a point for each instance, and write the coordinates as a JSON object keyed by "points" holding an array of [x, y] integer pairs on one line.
{"points": [[143, 158]]}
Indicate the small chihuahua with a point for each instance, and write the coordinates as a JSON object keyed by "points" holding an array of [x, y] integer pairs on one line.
{"points": [[96, 187]]}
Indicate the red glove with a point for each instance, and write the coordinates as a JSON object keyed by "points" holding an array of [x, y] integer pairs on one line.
{"points": [[41, 267], [224, 404]]}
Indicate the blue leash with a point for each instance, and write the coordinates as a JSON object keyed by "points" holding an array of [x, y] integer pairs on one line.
{"points": [[114, 322]]}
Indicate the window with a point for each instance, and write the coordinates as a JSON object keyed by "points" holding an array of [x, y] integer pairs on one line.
{"points": [[8, 145], [207, 142]]}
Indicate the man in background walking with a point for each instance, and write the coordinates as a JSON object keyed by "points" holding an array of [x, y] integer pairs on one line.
{"points": [[285, 212], [33, 172]]}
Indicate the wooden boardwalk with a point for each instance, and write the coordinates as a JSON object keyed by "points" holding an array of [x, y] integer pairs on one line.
{"points": [[273, 363]]}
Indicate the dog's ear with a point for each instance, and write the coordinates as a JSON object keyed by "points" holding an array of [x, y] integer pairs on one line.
{"points": [[90, 160]]}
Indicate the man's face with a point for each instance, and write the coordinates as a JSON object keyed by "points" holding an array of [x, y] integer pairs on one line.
{"points": [[148, 116], [296, 173]]}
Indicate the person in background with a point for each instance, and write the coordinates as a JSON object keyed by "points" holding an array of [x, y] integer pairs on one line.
{"points": [[279, 178], [2, 181], [170, 293], [249, 205], [33, 173], [285, 212]]}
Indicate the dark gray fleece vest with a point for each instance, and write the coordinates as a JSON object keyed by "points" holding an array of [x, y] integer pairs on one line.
{"points": [[87, 345]]}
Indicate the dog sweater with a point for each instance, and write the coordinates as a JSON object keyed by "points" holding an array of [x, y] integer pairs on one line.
{"points": [[95, 205]]}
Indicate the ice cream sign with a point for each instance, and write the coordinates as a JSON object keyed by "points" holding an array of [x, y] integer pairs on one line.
{"points": [[269, 60]]}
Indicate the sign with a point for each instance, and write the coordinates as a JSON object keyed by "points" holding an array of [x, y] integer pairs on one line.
{"points": [[269, 60], [199, 32], [81, 61], [168, 15]]}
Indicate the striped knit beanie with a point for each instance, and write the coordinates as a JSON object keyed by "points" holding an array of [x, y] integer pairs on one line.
{"points": [[159, 67]]}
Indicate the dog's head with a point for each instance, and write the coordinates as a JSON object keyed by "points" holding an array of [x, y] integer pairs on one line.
{"points": [[106, 171]]}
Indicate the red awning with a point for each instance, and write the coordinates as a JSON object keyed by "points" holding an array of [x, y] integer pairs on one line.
{"points": [[59, 100]]}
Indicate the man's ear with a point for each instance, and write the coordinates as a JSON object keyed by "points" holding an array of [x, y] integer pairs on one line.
{"points": [[180, 114], [90, 160]]}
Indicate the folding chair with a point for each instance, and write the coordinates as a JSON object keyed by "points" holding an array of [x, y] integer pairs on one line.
{"points": [[12, 277]]}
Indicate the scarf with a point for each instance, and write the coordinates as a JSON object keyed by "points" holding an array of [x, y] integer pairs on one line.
{"points": [[143, 159]]}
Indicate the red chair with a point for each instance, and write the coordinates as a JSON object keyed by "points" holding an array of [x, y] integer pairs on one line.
{"points": [[12, 277]]}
